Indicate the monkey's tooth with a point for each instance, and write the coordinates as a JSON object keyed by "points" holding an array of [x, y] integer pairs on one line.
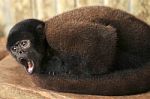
{"points": [[30, 70], [29, 64]]}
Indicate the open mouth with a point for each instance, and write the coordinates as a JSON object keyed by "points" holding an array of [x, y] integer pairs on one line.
{"points": [[28, 65]]}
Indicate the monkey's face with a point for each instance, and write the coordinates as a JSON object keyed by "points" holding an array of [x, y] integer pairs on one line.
{"points": [[26, 43], [22, 51], [25, 52]]}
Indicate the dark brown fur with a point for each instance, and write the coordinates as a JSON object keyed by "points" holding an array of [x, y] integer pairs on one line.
{"points": [[111, 42], [88, 41]]}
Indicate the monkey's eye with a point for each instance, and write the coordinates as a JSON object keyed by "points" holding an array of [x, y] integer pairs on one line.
{"points": [[25, 44], [14, 48]]}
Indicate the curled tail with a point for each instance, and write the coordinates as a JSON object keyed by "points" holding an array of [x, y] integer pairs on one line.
{"points": [[126, 82]]}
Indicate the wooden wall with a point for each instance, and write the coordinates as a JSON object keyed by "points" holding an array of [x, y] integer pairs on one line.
{"points": [[12, 11]]}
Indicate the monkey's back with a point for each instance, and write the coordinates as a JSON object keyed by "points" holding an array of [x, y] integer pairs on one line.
{"points": [[132, 35]]}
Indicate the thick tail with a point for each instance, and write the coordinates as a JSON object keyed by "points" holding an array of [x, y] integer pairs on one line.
{"points": [[125, 82]]}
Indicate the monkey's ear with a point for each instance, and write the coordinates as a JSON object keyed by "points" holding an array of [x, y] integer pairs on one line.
{"points": [[40, 28]]}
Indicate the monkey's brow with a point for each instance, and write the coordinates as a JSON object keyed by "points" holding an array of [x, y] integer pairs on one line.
{"points": [[17, 43]]}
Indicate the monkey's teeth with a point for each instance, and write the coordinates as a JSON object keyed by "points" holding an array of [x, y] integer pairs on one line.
{"points": [[30, 66], [30, 70]]}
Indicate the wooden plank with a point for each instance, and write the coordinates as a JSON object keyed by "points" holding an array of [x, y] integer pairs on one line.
{"points": [[21, 9], [119, 4], [49, 9], [140, 8], [76, 3], [39, 8], [66, 5]]}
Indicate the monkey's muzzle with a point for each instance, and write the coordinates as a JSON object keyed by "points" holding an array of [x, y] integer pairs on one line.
{"points": [[28, 65]]}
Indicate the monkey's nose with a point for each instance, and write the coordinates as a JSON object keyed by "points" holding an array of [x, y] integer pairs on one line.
{"points": [[20, 52], [21, 59]]}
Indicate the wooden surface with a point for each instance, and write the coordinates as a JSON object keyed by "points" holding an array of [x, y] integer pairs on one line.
{"points": [[16, 84]]}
